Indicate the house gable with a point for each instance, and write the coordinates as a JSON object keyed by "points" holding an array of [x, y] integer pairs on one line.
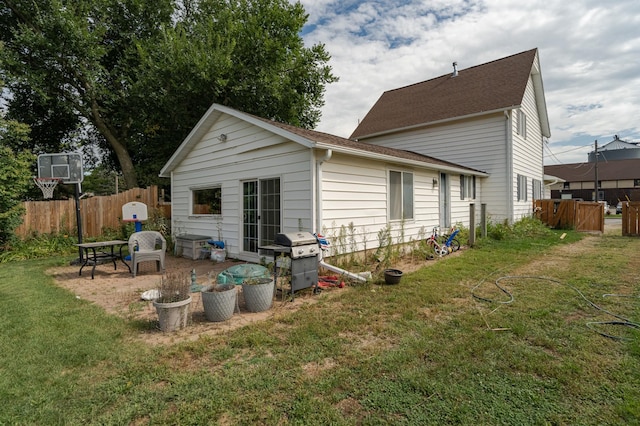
{"points": [[490, 117], [204, 125]]}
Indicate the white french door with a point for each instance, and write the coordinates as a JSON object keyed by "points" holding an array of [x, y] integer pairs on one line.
{"points": [[261, 215]]}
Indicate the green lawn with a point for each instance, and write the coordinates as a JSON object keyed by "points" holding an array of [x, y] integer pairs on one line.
{"points": [[421, 352]]}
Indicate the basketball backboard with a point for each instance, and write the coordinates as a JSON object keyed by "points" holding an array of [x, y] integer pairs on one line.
{"points": [[134, 212], [66, 166]]}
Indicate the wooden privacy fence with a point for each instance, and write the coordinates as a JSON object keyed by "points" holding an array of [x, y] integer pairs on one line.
{"points": [[97, 213], [631, 218], [580, 215]]}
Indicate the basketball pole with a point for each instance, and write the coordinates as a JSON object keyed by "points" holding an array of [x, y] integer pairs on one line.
{"points": [[79, 221]]}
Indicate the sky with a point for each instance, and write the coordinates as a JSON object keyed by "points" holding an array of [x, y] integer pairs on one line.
{"points": [[589, 54]]}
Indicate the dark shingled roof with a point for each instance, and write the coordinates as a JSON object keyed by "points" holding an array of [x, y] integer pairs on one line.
{"points": [[493, 86], [607, 170], [337, 141]]}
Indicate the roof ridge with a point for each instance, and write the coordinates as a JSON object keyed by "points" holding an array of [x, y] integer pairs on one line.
{"points": [[461, 70]]}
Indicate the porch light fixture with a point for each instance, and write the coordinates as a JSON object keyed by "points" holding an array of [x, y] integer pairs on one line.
{"points": [[222, 137], [434, 182]]}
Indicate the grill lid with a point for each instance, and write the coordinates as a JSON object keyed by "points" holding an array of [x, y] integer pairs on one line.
{"points": [[293, 239]]}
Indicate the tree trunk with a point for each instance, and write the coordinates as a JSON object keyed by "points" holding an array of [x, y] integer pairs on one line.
{"points": [[126, 165]]}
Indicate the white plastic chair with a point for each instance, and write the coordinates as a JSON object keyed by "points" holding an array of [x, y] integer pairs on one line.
{"points": [[146, 246]]}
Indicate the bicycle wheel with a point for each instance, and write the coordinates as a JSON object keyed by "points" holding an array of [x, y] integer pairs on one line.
{"points": [[455, 245]]}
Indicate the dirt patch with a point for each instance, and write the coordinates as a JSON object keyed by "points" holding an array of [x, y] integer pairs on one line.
{"points": [[118, 293]]}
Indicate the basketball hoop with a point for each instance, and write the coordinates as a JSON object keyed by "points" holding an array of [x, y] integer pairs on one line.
{"points": [[47, 185]]}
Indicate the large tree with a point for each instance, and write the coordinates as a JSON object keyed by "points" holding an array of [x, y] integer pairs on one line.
{"points": [[138, 74]]}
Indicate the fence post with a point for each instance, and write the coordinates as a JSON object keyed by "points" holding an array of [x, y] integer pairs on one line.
{"points": [[472, 224], [483, 220]]}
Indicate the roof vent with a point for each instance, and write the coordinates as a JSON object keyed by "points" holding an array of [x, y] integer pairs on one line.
{"points": [[455, 69]]}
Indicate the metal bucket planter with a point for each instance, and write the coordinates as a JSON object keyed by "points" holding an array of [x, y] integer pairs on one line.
{"points": [[258, 294], [173, 316], [219, 302], [392, 276]]}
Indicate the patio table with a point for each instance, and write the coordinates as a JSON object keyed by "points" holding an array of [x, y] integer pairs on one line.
{"points": [[102, 251]]}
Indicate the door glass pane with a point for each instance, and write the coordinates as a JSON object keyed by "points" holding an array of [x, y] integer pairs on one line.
{"points": [[250, 216], [395, 195], [270, 210], [407, 196]]}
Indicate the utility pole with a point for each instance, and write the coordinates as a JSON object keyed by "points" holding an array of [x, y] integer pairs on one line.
{"points": [[595, 193]]}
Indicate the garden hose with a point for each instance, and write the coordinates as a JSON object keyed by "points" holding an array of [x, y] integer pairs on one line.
{"points": [[591, 325]]}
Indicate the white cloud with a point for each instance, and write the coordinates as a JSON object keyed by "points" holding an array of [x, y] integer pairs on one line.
{"points": [[589, 53]]}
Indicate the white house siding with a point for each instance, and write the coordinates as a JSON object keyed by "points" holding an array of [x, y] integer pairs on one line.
{"points": [[478, 143], [249, 153], [354, 194], [527, 153]]}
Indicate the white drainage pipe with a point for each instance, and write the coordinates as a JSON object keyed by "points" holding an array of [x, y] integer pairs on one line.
{"points": [[362, 277]]}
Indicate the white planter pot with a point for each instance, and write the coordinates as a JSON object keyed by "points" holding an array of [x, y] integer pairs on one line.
{"points": [[173, 316], [258, 297], [219, 305]]}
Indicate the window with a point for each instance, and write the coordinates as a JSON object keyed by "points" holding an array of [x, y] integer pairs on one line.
{"points": [[467, 187], [536, 186], [522, 188], [521, 125], [206, 201], [636, 182], [400, 195], [566, 185]]}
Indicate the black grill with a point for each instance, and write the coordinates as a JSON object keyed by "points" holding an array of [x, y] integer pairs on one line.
{"points": [[303, 250]]}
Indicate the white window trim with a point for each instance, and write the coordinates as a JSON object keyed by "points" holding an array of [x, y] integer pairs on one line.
{"points": [[403, 216], [522, 188], [521, 124], [467, 187], [536, 187], [191, 200]]}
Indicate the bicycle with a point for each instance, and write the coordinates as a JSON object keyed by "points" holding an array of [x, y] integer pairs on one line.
{"points": [[454, 243], [436, 245], [442, 248]]}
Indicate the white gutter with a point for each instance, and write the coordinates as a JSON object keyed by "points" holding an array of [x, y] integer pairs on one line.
{"points": [[394, 159], [327, 156]]}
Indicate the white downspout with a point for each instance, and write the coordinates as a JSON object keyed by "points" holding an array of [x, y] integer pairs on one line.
{"points": [[319, 162], [363, 277], [509, 152]]}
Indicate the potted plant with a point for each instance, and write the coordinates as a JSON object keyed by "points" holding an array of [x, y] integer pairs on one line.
{"points": [[219, 301], [258, 293], [174, 299]]}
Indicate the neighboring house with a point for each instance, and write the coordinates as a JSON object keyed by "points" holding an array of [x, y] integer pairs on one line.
{"points": [[243, 179], [618, 180], [491, 117], [550, 182]]}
